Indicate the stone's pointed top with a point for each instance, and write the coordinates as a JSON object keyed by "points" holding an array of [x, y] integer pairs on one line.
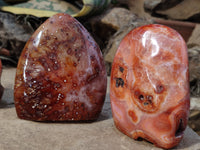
{"points": [[56, 79]]}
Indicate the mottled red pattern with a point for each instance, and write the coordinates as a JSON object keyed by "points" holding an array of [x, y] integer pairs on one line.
{"points": [[149, 88], [61, 74]]}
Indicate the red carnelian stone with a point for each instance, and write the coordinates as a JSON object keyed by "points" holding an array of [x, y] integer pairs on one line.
{"points": [[61, 74], [149, 88]]}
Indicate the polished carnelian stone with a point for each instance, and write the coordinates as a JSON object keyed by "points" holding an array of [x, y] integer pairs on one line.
{"points": [[149, 88], [61, 74]]}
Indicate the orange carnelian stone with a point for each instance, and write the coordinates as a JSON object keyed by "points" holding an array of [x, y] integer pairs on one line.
{"points": [[149, 88], [61, 74]]}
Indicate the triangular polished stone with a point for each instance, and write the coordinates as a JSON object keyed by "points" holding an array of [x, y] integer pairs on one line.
{"points": [[61, 74]]}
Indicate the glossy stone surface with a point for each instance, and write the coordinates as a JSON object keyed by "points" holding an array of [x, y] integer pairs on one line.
{"points": [[149, 88], [61, 74]]}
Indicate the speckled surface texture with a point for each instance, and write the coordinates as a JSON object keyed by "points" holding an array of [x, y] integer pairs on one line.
{"points": [[100, 135], [61, 74]]}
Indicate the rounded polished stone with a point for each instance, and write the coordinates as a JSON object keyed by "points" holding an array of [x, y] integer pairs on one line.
{"points": [[149, 88], [61, 74]]}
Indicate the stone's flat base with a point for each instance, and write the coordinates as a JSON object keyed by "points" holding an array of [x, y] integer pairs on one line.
{"points": [[99, 135], [102, 134]]}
